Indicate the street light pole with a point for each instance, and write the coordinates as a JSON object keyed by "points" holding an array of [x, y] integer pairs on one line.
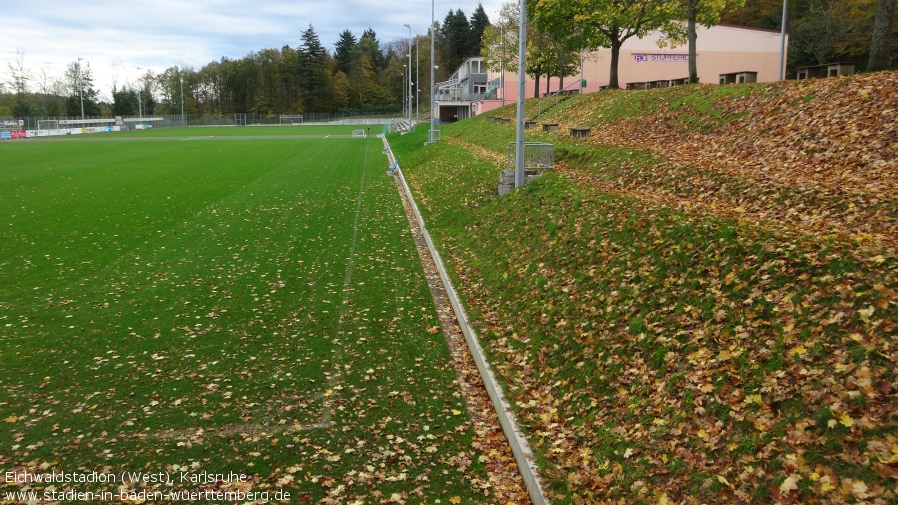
{"points": [[417, 80], [404, 80], [139, 100], [81, 89], [783, 39], [432, 68], [182, 100], [409, 76], [519, 175]]}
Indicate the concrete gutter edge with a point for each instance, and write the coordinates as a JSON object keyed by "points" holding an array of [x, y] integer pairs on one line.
{"points": [[519, 445]]}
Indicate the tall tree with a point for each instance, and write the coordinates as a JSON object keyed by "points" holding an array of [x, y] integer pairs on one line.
{"points": [[455, 39], [80, 82], [766, 14], [501, 41], [881, 42], [18, 80], [479, 23], [343, 50], [377, 56], [695, 12], [314, 77], [124, 101], [146, 93], [602, 23]]}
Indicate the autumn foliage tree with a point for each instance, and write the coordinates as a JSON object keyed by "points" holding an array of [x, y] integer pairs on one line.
{"points": [[601, 23], [695, 12], [881, 43], [822, 31]]}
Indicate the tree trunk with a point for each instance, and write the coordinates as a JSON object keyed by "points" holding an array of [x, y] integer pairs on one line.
{"points": [[536, 85], [561, 63], [615, 59], [880, 45], [693, 36]]}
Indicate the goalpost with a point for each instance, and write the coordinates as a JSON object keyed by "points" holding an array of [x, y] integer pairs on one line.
{"points": [[291, 118], [46, 127]]}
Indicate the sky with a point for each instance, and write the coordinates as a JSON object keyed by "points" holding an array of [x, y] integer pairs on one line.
{"points": [[123, 39]]}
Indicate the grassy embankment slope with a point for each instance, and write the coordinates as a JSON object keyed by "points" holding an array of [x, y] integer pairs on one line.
{"points": [[699, 304]]}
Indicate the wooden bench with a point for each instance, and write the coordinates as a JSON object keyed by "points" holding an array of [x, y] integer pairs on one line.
{"points": [[580, 132], [529, 124], [550, 127]]}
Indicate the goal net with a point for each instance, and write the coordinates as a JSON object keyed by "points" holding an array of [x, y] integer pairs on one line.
{"points": [[358, 133], [47, 127], [291, 118]]}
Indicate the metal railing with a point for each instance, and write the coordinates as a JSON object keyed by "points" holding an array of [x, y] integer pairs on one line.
{"points": [[554, 97]]}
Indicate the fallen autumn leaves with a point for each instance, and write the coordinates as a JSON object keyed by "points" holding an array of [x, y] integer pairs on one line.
{"points": [[700, 306]]}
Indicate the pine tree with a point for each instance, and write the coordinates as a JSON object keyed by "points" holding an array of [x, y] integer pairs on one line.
{"points": [[479, 23], [455, 39], [313, 75], [343, 50]]}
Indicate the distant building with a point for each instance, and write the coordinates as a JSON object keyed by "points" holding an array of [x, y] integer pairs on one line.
{"points": [[722, 50]]}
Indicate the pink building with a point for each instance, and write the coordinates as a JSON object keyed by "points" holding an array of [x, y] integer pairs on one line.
{"points": [[725, 54]]}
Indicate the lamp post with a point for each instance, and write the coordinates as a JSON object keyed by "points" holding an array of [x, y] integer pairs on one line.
{"points": [[502, 64], [519, 176], [139, 100], [404, 80], [432, 68], [417, 80], [182, 100], [81, 89], [409, 76], [783, 39]]}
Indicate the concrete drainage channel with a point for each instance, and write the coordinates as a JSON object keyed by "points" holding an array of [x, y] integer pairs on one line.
{"points": [[519, 446]]}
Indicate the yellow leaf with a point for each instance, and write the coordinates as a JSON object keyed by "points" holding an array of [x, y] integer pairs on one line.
{"points": [[846, 420], [859, 489], [455, 499], [798, 350], [11, 419], [790, 484], [893, 458]]}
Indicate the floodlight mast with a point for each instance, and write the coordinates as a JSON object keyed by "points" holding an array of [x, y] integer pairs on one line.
{"points": [[139, 100], [182, 101], [783, 39], [522, 73], [432, 68], [409, 76], [417, 80], [81, 89]]}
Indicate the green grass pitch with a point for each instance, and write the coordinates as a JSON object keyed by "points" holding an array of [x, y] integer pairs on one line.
{"points": [[246, 305]]}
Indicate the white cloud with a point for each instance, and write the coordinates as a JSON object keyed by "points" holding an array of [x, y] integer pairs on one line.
{"points": [[116, 37]]}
